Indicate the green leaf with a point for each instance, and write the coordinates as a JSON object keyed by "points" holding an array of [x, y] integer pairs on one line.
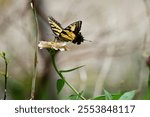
{"points": [[128, 95], [60, 85], [108, 95], [101, 97], [75, 96], [116, 96], [69, 70]]}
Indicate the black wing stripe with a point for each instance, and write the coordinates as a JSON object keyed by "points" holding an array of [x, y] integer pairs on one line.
{"points": [[76, 25], [55, 26], [51, 18], [56, 32]]}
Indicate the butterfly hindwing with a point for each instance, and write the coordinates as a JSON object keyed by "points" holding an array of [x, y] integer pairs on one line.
{"points": [[71, 31], [55, 26]]}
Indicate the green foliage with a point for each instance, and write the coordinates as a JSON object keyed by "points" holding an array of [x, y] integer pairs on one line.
{"points": [[116, 96], [120, 96], [60, 85], [108, 95], [101, 97], [75, 96], [128, 95]]}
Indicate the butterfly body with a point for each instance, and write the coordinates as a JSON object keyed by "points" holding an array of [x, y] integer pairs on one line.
{"points": [[70, 33]]}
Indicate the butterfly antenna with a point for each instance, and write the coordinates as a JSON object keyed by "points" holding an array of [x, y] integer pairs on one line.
{"points": [[87, 40]]}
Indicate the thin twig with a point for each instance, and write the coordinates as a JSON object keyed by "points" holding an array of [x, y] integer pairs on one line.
{"points": [[5, 74], [147, 7], [36, 51], [6, 77]]}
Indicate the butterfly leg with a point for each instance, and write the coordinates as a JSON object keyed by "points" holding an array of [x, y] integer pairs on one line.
{"points": [[55, 39]]}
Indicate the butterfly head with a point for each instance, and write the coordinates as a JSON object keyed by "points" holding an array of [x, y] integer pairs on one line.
{"points": [[79, 38]]}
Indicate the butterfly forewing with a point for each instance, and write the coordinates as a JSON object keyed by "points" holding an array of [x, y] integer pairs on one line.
{"points": [[55, 26], [71, 31], [67, 35], [74, 27]]}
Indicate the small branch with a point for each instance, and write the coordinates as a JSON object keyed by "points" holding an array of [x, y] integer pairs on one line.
{"points": [[6, 77], [36, 51], [3, 55]]}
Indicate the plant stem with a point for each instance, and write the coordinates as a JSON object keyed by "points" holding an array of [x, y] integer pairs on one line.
{"points": [[36, 51], [6, 76], [62, 77]]}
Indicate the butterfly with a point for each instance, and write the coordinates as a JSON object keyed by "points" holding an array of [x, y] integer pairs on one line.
{"points": [[70, 33]]}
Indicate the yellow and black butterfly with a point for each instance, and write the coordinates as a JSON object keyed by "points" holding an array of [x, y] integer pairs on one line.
{"points": [[70, 33]]}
